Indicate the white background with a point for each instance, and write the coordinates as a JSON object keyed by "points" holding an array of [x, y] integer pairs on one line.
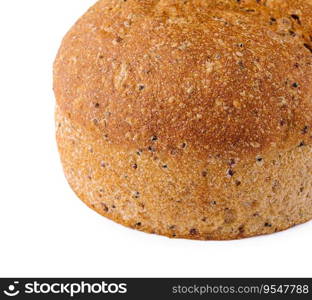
{"points": [[45, 230]]}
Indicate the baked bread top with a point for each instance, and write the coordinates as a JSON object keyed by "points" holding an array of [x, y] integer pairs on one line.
{"points": [[229, 78]]}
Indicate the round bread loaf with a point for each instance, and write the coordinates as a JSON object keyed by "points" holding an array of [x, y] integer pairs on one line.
{"points": [[190, 118]]}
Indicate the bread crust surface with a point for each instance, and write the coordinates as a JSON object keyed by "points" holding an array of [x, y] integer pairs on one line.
{"points": [[189, 119]]}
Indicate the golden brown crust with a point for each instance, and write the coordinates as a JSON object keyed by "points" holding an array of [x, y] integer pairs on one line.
{"points": [[218, 75], [202, 87], [183, 197]]}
